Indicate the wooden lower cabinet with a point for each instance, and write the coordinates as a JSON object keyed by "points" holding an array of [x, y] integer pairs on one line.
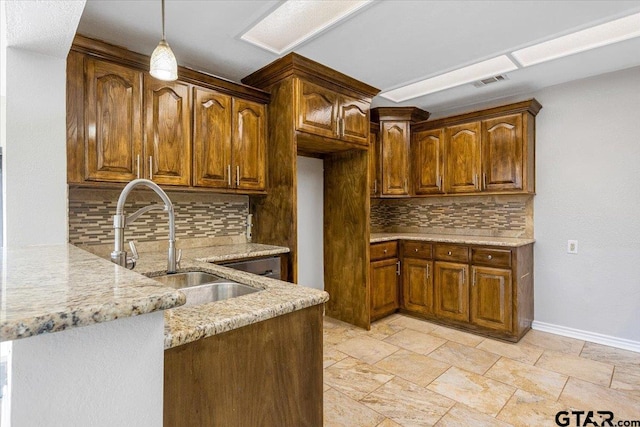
{"points": [[265, 374], [417, 285], [452, 291], [384, 287], [491, 296]]}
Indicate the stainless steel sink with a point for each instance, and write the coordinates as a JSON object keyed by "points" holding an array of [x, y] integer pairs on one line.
{"points": [[201, 288]]}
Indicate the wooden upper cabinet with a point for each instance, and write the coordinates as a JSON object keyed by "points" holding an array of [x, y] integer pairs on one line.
{"points": [[374, 161], [113, 121], [167, 132], [353, 120], [395, 157], [462, 152], [491, 298], [211, 138], [428, 161], [317, 109], [502, 153], [249, 144]]}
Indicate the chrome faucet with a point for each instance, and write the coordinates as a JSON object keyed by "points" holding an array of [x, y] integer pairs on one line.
{"points": [[120, 221]]}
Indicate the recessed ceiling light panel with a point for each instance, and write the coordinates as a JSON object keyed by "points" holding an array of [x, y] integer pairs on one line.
{"points": [[590, 38], [297, 20], [481, 70]]}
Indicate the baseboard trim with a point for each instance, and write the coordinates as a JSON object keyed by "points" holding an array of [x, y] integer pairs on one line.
{"points": [[622, 343]]}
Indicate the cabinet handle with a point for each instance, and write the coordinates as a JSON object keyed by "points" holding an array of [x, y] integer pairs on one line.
{"points": [[237, 176], [338, 126], [489, 257], [229, 176], [474, 279], [427, 271], [151, 168], [398, 267], [438, 182], [484, 181], [449, 253], [375, 186], [138, 166], [406, 187], [475, 181], [385, 251]]}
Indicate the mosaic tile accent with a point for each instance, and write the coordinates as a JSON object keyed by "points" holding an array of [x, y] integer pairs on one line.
{"points": [[510, 217], [197, 215]]}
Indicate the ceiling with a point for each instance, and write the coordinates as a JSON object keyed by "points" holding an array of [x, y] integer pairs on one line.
{"points": [[387, 44]]}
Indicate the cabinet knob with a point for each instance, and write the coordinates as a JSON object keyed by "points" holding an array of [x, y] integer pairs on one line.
{"points": [[416, 249], [385, 251], [489, 257], [449, 253]]}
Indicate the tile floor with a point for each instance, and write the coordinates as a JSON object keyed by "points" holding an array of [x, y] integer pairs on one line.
{"points": [[410, 372]]}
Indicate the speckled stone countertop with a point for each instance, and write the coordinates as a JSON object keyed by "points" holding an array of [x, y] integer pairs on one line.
{"points": [[53, 288], [450, 238], [183, 325]]}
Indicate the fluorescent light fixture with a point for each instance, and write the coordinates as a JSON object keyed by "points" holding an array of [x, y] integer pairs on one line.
{"points": [[297, 20], [481, 70], [600, 35]]}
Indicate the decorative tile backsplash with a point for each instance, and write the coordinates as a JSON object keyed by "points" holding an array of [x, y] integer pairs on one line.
{"points": [[504, 216], [196, 215]]}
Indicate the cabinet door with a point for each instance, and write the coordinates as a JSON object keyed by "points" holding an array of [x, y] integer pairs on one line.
{"points": [[417, 285], [502, 156], [113, 121], [384, 287], [167, 132], [428, 160], [491, 296], [452, 291], [354, 120], [211, 139], [395, 150], [249, 144], [316, 109], [462, 151], [374, 157]]}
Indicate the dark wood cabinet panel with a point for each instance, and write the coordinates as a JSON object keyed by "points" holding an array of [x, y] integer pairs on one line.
{"points": [[417, 285], [211, 139], [249, 144], [354, 120], [395, 157], [428, 161], [452, 291], [491, 298], [374, 161], [462, 152], [113, 122], [317, 109], [502, 153], [384, 287]]}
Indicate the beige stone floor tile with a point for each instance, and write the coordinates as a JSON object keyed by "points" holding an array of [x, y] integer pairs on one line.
{"points": [[415, 341], [469, 358], [583, 395], [525, 409], [367, 349], [460, 337], [533, 379], [414, 367], [611, 355], [342, 411], [408, 404], [553, 342], [388, 423], [414, 323], [381, 330], [390, 318], [519, 352], [576, 366], [626, 378], [326, 387], [461, 415], [355, 378], [331, 355], [336, 332], [483, 394]]}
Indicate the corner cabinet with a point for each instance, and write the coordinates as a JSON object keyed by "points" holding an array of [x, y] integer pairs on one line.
{"points": [[123, 124]]}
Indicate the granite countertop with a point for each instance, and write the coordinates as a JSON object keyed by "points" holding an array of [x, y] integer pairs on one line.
{"points": [[451, 238], [53, 288], [183, 325]]}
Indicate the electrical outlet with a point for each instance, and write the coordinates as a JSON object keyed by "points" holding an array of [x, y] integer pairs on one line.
{"points": [[572, 247]]}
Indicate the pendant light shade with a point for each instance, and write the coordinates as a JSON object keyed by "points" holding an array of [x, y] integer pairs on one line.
{"points": [[163, 64]]}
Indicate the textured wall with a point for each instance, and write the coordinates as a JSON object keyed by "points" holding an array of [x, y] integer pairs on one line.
{"points": [[197, 215], [505, 216]]}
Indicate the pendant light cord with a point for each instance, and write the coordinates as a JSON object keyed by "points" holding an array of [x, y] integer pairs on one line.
{"points": [[163, 20]]}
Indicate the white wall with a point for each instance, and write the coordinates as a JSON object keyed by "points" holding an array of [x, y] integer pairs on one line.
{"points": [[310, 222], [35, 153], [59, 380], [588, 177]]}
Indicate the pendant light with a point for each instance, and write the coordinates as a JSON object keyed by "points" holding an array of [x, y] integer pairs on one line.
{"points": [[163, 62]]}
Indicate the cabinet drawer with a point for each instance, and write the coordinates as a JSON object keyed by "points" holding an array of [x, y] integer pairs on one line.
{"points": [[452, 253], [491, 257], [384, 250], [417, 250]]}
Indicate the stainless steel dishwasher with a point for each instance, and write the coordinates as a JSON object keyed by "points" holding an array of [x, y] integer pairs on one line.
{"points": [[267, 267]]}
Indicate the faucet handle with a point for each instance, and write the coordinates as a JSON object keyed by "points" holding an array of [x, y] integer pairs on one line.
{"points": [[179, 258], [134, 251]]}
